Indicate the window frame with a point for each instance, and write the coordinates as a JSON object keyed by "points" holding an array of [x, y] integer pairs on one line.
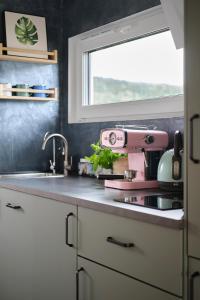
{"points": [[135, 26]]}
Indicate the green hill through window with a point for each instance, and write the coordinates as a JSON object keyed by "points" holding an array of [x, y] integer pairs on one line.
{"points": [[108, 90]]}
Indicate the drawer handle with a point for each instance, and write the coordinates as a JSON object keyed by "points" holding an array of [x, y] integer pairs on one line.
{"points": [[192, 278], [77, 282], [13, 206], [67, 230], [195, 160], [114, 241]]}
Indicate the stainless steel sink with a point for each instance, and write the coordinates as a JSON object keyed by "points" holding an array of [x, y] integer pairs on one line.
{"points": [[30, 175]]}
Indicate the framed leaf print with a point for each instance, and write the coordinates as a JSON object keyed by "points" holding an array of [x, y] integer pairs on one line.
{"points": [[25, 32]]}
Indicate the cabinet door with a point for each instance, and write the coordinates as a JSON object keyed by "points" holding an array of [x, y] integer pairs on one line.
{"points": [[35, 261], [54, 260], [192, 84], [95, 282], [194, 279], [16, 247]]}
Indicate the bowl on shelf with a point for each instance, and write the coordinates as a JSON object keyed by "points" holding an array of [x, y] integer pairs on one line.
{"points": [[39, 87]]}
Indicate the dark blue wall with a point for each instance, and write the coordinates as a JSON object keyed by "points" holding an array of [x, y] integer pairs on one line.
{"points": [[83, 15], [23, 123]]}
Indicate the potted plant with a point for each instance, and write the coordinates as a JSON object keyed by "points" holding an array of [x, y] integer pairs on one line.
{"points": [[103, 159]]}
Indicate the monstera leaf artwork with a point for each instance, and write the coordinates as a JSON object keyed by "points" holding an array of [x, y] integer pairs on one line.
{"points": [[26, 31]]}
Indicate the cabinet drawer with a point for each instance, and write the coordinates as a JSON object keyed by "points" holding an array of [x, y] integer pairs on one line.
{"points": [[99, 283], [155, 257]]}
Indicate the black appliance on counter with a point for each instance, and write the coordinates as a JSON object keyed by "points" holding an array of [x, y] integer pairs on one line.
{"points": [[160, 201]]}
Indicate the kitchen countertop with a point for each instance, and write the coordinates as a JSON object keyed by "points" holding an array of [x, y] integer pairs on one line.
{"points": [[90, 193]]}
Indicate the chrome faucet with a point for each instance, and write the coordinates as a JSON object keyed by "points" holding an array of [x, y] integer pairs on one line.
{"points": [[67, 166]]}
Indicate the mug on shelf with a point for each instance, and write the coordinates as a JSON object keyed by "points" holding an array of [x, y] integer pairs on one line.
{"points": [[39, 87], [3, 89], [22, 86]]}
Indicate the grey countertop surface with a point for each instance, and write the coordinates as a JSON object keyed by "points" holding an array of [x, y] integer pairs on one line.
{"points": [[90, 193]]}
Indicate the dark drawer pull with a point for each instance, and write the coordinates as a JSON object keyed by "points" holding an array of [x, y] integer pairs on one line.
{"points": [[113, 241], [194, 117], [67, 230], [192, 278], [13, 206], [77, 282]]}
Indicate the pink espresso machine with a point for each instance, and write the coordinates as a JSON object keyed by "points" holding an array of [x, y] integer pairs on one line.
{"points": [[136, 143]]}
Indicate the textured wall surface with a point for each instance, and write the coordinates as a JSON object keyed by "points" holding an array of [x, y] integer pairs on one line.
{"points": [[83, 15], [23, 123]]}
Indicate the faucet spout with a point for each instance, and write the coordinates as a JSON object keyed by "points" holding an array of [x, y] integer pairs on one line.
{"points": [[47, 137]]}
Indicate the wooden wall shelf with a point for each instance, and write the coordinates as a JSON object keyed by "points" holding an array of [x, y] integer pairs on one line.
{"points": [[52, 94], [52, 56]]}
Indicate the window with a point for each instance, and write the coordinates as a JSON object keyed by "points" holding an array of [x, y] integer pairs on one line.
{"points": [[128, 69], [142, 69]]}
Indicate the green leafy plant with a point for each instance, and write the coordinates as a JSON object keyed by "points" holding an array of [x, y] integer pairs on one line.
{"points": [[26, 31], [102, 157]]}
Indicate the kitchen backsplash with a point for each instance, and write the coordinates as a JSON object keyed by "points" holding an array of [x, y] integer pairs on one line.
{"points": [[23, 124], [80, 136]]}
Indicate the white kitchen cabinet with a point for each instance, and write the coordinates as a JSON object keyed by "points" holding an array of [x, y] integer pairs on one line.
{"points": [[194, 279], [54, 260], [35, 261], [192, 84], [147, 252], [95, 282], [16, 247]]}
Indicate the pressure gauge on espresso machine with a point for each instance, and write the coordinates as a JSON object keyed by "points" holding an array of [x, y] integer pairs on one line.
{"points": [[112, 138]]}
